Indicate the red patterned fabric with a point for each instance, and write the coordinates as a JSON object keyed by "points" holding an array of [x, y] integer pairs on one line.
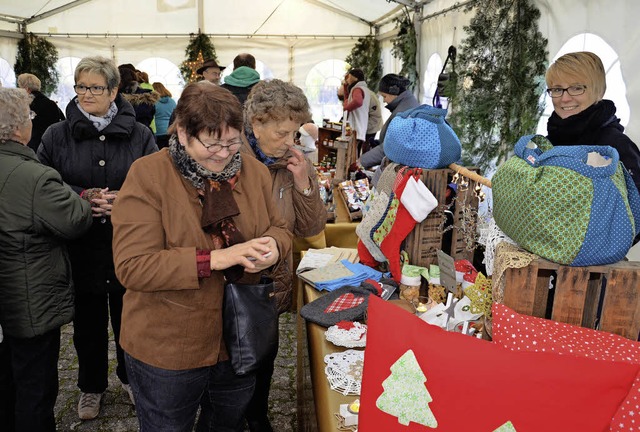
{"points": [[203, 262], [526, 333], [478, 385], [345, 301]]}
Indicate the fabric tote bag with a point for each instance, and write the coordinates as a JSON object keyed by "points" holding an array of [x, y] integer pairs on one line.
{"points": [[250, 324], [574, 205]]}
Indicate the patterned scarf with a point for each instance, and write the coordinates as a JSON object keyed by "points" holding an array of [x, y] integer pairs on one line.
{"points": [[218, 205], [99, 122]]}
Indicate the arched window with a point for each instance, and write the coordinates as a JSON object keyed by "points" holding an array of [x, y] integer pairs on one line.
{"points": [[63, 94], [434, 66], [7, 75], [162, 70], [321, 89], [616, 87]]}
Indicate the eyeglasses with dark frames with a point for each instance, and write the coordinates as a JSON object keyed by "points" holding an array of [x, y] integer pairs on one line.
{"points": [[575, 90], [94, 90], [231, 146]]}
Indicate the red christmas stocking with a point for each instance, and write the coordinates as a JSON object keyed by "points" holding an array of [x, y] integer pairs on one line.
{"points": [[400, 229], [365, 256]]}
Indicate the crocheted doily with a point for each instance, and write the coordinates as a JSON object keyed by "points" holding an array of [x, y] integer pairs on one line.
{"points": [[344, 371], [507, 256], [341, 335], [490, 236]]}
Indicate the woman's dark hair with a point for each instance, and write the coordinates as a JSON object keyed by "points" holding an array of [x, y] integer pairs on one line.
{"points": [[206, 107]]}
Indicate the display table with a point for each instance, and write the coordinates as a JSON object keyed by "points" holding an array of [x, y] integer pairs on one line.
{"points": [[326, 401]]}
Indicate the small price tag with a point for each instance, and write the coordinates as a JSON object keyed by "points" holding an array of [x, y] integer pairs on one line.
{"points": [[447, 271]]}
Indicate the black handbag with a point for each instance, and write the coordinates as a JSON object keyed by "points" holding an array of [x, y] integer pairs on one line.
{"points": [[250, 324]]}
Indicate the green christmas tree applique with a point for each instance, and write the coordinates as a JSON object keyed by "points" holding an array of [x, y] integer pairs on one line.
{"points": [[507, 427], [405, 396]]}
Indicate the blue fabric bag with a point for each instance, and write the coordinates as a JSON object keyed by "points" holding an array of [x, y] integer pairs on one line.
{"points": [[421, 138]]}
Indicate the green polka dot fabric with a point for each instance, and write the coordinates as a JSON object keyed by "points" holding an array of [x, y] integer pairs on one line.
{"points": [[553, 204]]}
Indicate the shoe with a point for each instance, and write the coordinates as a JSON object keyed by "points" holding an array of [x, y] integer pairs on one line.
{"points": [[127, 387], [89, 405]]}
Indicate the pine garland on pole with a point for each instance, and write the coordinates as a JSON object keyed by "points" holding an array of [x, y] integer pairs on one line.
{"points": [[199, 48], [366, 55], [405, 47], [501, 78], [38, 56]]}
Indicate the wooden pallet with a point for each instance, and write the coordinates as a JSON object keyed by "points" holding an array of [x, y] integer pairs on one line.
{"points": [[423, 243], [577, 294]]}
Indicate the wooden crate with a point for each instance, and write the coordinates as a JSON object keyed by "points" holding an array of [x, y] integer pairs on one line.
{"points": [[423, 243], [577, 294]]}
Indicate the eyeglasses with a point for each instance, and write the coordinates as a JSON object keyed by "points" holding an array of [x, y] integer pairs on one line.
{"points": [[94, 90], [32, 115], [231, 147], [575, 90]]}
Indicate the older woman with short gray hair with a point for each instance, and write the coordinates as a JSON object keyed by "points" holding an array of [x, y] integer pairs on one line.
{"points": [[38, 213], [93, 150]]}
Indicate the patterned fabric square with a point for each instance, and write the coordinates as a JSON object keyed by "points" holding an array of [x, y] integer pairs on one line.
{"points": [[345, 301]]}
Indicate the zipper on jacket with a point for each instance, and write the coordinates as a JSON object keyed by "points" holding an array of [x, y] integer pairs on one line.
{"points": [[283, 188]]}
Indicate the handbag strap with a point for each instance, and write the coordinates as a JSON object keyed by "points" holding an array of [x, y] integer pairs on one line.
{"points": [[575, 158]]}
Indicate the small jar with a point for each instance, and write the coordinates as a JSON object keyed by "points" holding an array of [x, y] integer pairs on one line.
{"points": [[410, 287]]}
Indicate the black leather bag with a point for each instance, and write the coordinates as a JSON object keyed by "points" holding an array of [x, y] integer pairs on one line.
{"points": [[250, 324]]}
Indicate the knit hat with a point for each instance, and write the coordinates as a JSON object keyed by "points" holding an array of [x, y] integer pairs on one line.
{"points": [[421, 138], [357, 73], [209, 64], [393, 84]]}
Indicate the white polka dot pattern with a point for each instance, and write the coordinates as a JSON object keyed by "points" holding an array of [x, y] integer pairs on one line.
{"points": [[525, 333]]}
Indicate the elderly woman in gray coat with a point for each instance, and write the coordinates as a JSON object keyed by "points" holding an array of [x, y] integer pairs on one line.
{"points": [[38, 212]]}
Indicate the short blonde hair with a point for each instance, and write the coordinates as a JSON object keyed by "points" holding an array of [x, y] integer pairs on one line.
{"points": [[580, 66], [29, 81], [101, 66], [15, 111]]}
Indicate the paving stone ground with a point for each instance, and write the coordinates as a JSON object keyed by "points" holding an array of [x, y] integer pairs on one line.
{"points": [[118, 415]]}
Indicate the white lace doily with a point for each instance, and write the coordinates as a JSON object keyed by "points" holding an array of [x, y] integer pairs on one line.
{"points": [[356, 337], [344, 371], [490, 237]]}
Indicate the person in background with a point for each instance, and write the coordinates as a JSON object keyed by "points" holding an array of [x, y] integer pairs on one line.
{"points": [[273, 114], [576, 83], [357, 99], [394, 91], [143, 100], [211, 71], [307, 137], [164, 109], [38, 213], [93, 150], [47, 111], [243, 78], [188, 219]]}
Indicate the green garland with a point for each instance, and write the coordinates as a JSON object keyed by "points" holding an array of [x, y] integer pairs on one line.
{"points": [[198, 43], [38, 56], [366, 55], [501, 78], [405, 47]]}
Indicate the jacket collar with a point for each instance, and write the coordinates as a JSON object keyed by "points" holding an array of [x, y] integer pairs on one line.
{"points": [[15, 148], [122, 124]]}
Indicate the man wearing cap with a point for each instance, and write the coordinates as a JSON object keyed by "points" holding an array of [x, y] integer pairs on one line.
{"points": [[210, 70], [394, 92]]}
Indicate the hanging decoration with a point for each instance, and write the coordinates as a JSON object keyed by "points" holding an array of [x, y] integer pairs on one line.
{"points": [[199, 49], [366, 55], [38, 56], [405, 46]]}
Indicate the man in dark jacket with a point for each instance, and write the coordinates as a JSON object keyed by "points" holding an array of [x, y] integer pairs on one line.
{"points": [[47, 111], [243, 78], [38, 212]]}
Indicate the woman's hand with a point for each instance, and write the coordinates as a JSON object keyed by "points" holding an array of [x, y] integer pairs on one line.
{"points": [[254, 255], [297, 164], [102, 205]]}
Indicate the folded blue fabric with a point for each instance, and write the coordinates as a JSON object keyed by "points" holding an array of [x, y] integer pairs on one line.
{"points": [[361, 273]]}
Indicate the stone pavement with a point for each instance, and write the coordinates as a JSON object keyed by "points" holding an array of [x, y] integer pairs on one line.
{"points": [[117, 413]]}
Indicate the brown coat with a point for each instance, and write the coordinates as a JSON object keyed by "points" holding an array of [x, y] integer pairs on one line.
{"points": [[305, 216], [170, 318]]}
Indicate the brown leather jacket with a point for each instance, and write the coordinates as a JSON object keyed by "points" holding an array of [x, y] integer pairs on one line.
{"points": [[305, 216]]}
